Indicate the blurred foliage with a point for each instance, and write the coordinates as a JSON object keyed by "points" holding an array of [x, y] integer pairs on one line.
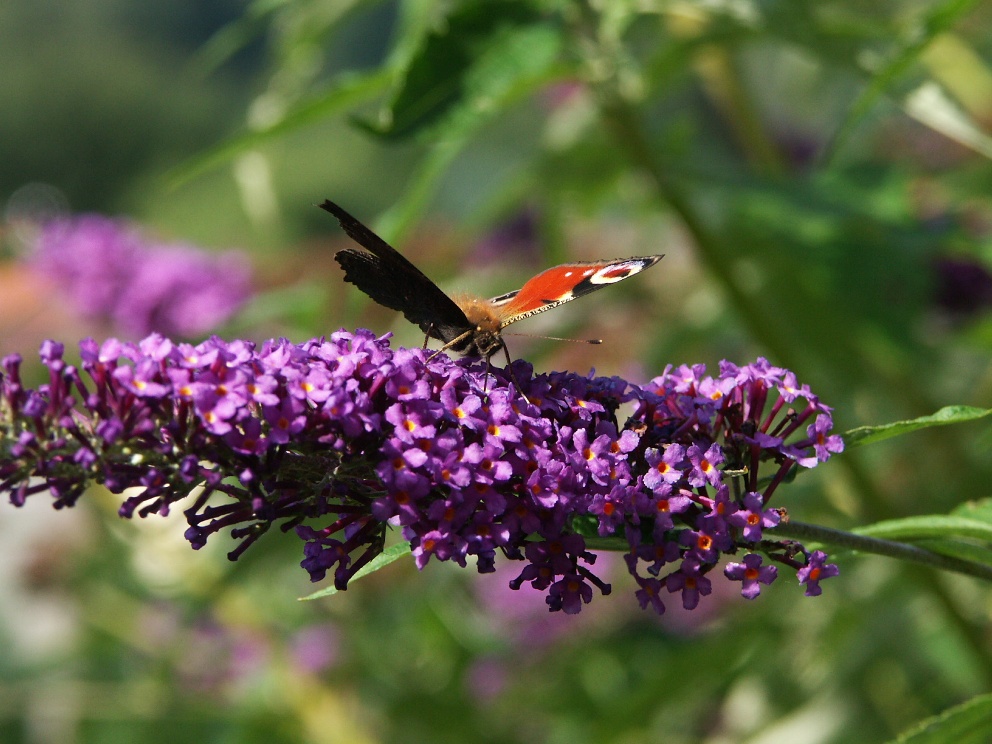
{"points": [[817, 174]]}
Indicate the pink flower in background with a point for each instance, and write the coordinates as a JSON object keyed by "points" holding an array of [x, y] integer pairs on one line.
{"points": [[114, 274]]}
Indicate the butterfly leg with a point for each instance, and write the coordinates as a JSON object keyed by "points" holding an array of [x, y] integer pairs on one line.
{"points": [[452, 342], [509, 369]]}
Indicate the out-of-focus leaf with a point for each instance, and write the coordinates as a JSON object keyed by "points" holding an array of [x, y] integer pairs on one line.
{"points": [[387, 556], [514, 62], [980, 511], [349, 91], [947, 415], [968, 723], [302, 304], [953, 537], [958, 67], [964, 551], [929, 105], [941, 16], [445, 70], [235, 36], [929, 526]]}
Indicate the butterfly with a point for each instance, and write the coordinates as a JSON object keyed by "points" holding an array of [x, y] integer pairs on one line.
{"points": [[468, 325]]}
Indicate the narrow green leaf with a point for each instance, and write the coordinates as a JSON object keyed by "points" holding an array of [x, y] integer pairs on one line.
{"points": [[930, 105], [947, 415], [346, 93], [387, 556], [234, 36], [929, 527], [444, 72], [965, 551], [940, 17], [521, 62], [968, 723], [980, 511]]}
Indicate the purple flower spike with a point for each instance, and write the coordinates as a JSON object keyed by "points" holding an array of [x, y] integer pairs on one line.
{"points": [[113, 274], [338, 437]]}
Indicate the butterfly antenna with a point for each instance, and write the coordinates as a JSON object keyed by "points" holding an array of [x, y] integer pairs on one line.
{"points": [[593, 341]]}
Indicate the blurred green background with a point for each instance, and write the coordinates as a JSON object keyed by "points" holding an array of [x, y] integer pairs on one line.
{"points": [[817, 174]]}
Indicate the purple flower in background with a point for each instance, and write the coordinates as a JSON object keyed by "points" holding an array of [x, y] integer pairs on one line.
{"points": [[314, 649], [113, 274], [337, 437], [517, 239], [963, 285]]}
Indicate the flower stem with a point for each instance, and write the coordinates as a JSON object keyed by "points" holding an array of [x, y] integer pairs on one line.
{"points": [[889, 548]]}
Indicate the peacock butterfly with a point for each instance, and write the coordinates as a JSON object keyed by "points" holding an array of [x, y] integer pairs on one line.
{"points": [[469, 325]]}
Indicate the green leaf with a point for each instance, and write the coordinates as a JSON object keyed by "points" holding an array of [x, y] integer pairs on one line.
{"points": [[387, 556], [968, 723], [965, 551], [941, 16], [483, 49], [511, 66], [930, 105], [947, 415], [952, 536], [976, 510], [303, 304], [348, 91], [235, 36], [929, 526]]}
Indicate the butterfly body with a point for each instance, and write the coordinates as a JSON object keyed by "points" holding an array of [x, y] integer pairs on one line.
{"points": [[467, 324]]}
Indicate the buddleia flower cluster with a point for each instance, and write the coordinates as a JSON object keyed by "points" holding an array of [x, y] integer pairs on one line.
{"points": [[112, 273], [344, 438]]}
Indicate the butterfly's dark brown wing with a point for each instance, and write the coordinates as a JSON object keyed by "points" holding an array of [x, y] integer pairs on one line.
{"points": [[388, 278]]}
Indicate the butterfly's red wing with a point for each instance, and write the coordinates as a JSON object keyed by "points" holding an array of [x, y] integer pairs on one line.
{"points": [[562, 283]]}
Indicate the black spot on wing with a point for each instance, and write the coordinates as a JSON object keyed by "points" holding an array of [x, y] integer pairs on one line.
{"points": [[503, 298]]}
